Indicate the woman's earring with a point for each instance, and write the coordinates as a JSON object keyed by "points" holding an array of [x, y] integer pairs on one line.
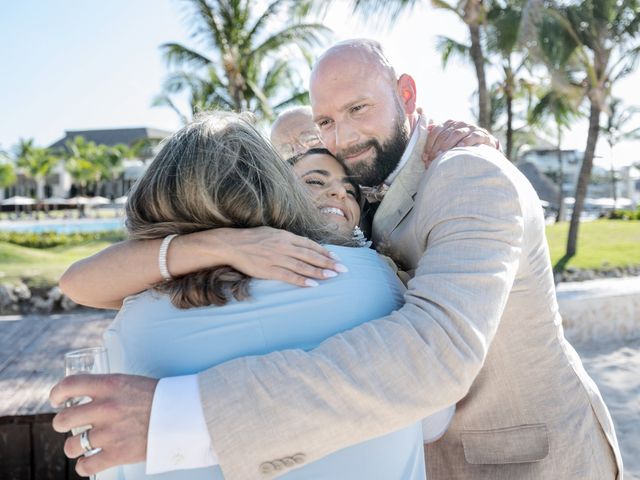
{"points": [[358, 236]]}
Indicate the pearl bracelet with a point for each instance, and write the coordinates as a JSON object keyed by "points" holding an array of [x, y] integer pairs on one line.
{"points": [[162, 256]]}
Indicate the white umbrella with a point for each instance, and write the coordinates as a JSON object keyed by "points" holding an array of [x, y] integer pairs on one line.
{"points": [[78, 201], [55, 201], [93, 201], [120, 200], [17, 200]]}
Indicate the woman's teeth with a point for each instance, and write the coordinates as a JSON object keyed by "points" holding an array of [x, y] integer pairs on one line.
{"points": [[332, 210]]}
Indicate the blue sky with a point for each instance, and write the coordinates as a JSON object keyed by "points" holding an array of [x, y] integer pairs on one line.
{"points": [[81, 64]]}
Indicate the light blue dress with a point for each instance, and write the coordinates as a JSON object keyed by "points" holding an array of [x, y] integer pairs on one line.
{"points": [[151, 337]]}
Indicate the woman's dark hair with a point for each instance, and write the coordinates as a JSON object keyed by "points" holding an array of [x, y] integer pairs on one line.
{"points": [[323, 151]]}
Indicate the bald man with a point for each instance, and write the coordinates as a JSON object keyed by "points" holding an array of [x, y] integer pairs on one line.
{"points": [[294, 132], [480, 327]]}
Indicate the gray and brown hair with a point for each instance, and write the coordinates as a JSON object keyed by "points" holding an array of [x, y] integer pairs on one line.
{"points": [[219, 171]]}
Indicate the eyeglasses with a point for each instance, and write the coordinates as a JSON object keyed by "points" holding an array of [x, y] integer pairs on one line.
{"points": [[304, 142]]}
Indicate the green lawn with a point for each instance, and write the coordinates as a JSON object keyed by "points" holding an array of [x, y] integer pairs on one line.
{"points": [[41, 265], [603, 243]]}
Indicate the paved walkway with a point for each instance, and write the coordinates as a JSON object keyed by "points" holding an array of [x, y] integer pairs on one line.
{"points": [[615, 367], [31, 355]]}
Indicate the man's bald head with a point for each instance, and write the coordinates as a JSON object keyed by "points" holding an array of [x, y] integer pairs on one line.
{"points": [[294, 132], [363, 51]]}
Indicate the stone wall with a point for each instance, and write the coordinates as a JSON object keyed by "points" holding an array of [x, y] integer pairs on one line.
{"points": [[20, 299], [600, 309]]}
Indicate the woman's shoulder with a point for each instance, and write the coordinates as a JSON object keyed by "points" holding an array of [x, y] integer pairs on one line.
{"points": [[343, 252], [146, 301]]}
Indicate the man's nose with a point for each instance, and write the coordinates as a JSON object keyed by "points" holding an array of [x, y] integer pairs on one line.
{"points": [[345, 136]]}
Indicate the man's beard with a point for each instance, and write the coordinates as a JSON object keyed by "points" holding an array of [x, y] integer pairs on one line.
{"points": [[387, 157]]}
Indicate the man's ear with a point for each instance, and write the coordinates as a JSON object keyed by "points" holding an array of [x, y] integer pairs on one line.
{"points": [[406, 88]]}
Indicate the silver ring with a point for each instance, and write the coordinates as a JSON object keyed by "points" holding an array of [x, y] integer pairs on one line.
{"points": [[84, 442]]}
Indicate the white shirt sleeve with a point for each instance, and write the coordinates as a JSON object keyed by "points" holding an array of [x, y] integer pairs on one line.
{"points": [[178, 436]]}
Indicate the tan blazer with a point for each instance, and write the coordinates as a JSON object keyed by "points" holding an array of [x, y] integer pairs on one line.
{"points": [[480, 328]]}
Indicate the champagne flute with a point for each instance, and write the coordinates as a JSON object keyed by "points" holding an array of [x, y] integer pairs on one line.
{"points": [[87, 360]]}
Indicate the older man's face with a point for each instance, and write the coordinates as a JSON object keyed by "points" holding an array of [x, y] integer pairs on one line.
{"points": [[295, 133], [360, 117]]}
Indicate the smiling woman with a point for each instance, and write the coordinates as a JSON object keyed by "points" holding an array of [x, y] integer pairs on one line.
{"points": [[336, 195]]}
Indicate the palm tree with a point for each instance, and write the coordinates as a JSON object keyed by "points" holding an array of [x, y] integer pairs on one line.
{"points": [[249, 63], [7, 172], [504, 19], [82, 162], [615, 131], [560, 108], [7, 175], [597, 41], [36, 163], [471, 12], [110, 162]]}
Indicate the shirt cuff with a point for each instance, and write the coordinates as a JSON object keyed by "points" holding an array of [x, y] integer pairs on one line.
{"points": [[178, 436]]}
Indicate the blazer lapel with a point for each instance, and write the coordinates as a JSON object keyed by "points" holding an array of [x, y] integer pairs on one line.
{"points": [[398, 201]]}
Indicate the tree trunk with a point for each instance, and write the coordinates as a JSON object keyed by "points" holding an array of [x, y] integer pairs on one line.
{"points": [[478, 62], [614, 188], [584, 177], [509, 95], [560, 216], [40, 188]]}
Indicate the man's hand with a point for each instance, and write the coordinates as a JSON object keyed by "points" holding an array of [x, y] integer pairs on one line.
{"points": [[271, 254], [455, 134], [118, 414]]}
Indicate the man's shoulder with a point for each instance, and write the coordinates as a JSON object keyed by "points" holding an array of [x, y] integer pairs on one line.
{"points": [[473, 165], [480, 155]]}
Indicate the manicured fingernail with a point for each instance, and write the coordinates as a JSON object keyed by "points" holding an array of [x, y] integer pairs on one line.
{"points": [[334, 256], [338, 267], [329, 274], [311, 283]]}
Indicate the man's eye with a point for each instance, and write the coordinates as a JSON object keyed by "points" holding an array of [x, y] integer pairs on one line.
{"points": [[357, 108], [323, 123]]}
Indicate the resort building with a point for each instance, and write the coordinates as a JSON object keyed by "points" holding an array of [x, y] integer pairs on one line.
{"points": [[60, 183]]}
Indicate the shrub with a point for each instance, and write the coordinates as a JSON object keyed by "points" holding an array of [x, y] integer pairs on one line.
{"points": [[623, 215], [54, 239]]}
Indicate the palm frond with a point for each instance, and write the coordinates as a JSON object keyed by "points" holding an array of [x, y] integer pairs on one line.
{"points": [[179, 55], [299, 98], [163, 100], [207, 25], [449, 48], [383, 10], [443, 5], [262, 22], [301, 35]]}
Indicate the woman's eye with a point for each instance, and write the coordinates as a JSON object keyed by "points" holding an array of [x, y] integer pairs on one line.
{"points": [[312, 181]]}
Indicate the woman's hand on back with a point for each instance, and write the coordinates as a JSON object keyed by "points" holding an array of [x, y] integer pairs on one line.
{"points": [[268, 253], [453, 134]]}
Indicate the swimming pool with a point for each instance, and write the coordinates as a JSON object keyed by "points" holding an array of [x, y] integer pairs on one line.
{"points": [[62, 226]]}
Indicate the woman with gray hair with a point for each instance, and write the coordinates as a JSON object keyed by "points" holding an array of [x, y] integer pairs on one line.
{"points": [[219, 172]]}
